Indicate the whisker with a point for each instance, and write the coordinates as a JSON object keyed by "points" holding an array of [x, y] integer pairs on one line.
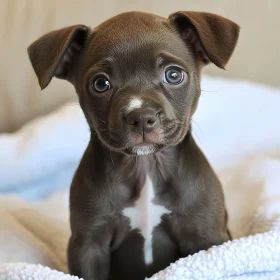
{"points": [[196, 136], [109, 97], [203, 90], [134, 158], [192, 120], [101, 120], [111, 157], [154, 162], [136, 162]]}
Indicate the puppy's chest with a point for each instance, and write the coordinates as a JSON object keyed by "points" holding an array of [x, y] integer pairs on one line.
{"points": [[145, 214]]}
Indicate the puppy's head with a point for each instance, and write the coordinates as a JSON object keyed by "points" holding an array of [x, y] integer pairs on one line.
{"points": [[137, 75]]}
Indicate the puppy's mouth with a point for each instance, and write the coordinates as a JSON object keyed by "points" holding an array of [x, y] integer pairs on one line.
{"points": [[132, 143], [145, 144]]}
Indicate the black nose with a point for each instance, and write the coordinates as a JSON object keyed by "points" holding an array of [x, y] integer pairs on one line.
{"points": [[143, 119]]}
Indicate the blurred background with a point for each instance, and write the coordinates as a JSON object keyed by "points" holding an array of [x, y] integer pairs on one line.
{"points": [[23, 21]]}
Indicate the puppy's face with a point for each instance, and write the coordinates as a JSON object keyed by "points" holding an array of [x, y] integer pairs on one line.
{"points": [[137, 83], [137, 75]]}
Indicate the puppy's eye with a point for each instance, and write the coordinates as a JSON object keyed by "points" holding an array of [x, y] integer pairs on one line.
{"points": [[173, 76], [101, 84]]}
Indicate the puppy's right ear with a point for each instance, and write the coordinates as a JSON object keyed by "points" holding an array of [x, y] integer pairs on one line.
{"points": [[54, 53], [212, 37]]}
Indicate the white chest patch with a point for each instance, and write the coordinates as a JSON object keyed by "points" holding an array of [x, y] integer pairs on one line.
{"points": [[145, 215]]}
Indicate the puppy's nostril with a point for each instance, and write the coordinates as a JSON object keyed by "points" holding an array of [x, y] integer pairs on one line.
{"points": [[150, 121], [131, 120], [142, 120]]}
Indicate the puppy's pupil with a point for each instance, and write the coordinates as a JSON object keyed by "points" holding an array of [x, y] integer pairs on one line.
{"points": [[174, 76], [101, 84]]}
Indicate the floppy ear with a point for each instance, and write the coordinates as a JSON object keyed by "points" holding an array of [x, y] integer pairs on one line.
{"points": [[212, 37], [53, 54]]}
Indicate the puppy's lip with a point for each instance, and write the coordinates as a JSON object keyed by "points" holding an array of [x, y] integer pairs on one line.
{"points": [[144, 144]]}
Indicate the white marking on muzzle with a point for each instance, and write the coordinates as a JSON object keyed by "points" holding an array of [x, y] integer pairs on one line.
{"points": [[134, 104], [145, 216]]}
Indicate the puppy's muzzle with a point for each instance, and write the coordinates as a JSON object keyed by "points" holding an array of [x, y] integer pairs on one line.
{"points": [[142, 120]]}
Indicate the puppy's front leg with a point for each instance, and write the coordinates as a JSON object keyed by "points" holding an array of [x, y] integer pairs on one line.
{"points": [[89, 257], [190, 245], [199, 232]]}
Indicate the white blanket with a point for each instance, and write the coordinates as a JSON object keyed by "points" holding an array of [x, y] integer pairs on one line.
{"points": [[236, 126]]}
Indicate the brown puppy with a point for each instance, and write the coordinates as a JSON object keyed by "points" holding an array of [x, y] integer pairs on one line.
{"points": [[144, 195]]}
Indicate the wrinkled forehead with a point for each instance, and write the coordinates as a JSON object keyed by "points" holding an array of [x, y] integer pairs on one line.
{"points": [[135, 45]]}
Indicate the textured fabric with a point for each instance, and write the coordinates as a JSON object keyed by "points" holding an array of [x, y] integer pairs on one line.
{"points": [[44, 153], [255, 257], [32, 272]]}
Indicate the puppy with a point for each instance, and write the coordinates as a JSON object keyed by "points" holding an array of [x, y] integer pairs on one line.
{"points": [[144, 195]]}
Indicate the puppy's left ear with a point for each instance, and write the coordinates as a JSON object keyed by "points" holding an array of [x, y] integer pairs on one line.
{"points": [[213, 38], [55, 52]]}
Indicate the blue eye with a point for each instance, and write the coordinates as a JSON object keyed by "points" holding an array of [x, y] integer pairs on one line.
{"points": [[101, 84], [173, 76]]}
